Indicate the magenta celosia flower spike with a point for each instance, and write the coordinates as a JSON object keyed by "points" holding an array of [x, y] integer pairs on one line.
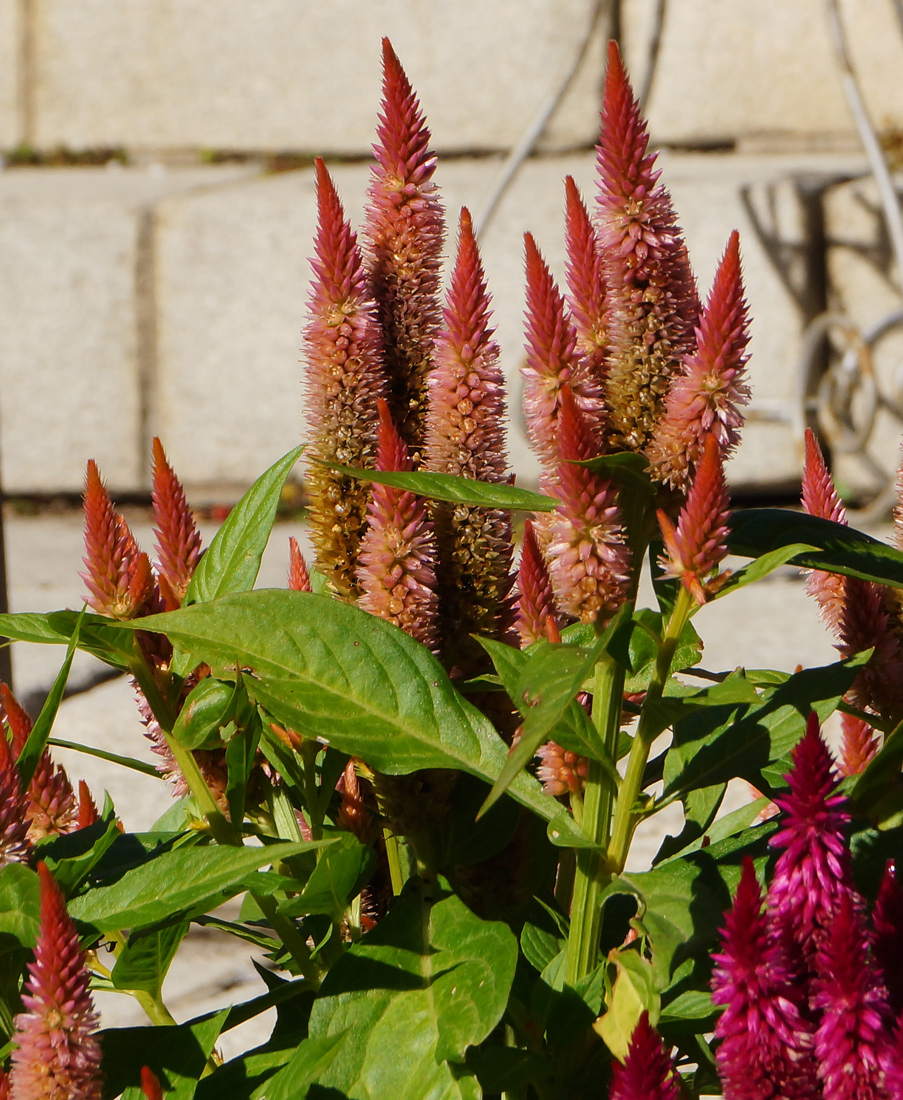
{"points": [[397, 572], [345, 378], [119, 576], [52, 808], [813, 872], [648, 1071], [14, 845], [178, 539], [706, 398], [298, 574], [698, 544], [766, 1040], [57, 1056], [553, 360], [405, 230], [653, 305], [589, 561], [853, 1039], [887, 921], [535, 601], [585, 281], [858, 745]]}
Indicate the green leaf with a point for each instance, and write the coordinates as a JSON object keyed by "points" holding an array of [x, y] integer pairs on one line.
{"points": [[330, 670], [113, 757], [204, 711], [634, 992], [71, 857], [762, 566], [97, 635], [645, 641], [342, 870], [20, 904], [881, 774], [232, 561], [144, 961], [311, 1060], [179, 882], [627, 469], [456, 490], [437, 982], [838, 549]]}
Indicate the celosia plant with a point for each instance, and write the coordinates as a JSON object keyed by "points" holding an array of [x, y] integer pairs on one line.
{"points": [[422, 765]]}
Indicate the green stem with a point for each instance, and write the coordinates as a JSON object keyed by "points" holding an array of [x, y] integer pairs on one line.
{"points": [[395, 873], [290, 936], [624, 822]]}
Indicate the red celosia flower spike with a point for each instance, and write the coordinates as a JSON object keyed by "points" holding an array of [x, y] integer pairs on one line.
{"points": [[586, 281], [57, 1056], [821, 499], [119, 576], [178, 539], [405, 230], [707, 396], [397, 571], [698, 543], [589, 561], [648, 1072], [345, 378], [652, 295], [52, 808], [87, 811], [14, 845], [766, 1039], [887, 921], [150, 1084], [553, 361], [298, 575], [535, 601]]}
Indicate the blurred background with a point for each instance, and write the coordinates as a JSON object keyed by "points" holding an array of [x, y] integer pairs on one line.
{"points": [[157, 206]]}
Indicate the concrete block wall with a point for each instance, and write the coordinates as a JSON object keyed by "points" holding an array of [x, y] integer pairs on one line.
{"points": [[167, 297]]}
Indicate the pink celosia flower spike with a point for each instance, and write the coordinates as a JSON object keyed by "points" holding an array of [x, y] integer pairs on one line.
{"points": [[858, 745], [821, 499], [707, 396], [765, 1038], [344, 379], [298, 575], [560, 771], [586, 281], [648, 1072], [553, 361], [58, 1055], [813, 872], [535, 601], [698, 544], [853, 1039], [178, 539], [465, 436], [397, 571], [589, 561], [653, 302], [52, 807], [405, 230], [887, 921], [119, 577], [14, 846]]}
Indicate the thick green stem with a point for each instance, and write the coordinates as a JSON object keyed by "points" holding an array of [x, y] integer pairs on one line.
{"points": [[647, 729]]}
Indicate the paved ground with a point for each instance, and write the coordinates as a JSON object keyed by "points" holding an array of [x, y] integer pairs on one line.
{"points": [[772, 624]]}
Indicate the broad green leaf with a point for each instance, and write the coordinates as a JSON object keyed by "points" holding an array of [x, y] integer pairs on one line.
{"points": [[97, 635], [176, 1054], [330, 670], [232, 561], [839, 549], [202, 714], [144, 961], [438, 983], [700, 806], [762, 566], [342, 870], [182, 881], [724, 827], [20, 904], [633, 993], [644, 646], [881, 773], [72, 856], [543, 935], [456, 490], [311, 1060]]}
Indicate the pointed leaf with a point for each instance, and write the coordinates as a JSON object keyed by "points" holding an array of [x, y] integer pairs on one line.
{"points": [[144, 961]]}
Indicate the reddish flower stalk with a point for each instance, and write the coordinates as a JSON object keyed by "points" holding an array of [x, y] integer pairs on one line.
{"points": [[652, 294], [586, 282], [397, 572], [853, 1039], [345, 379], [58, 1055], [589, 559], [405, 230], [698, 544], [14, 845], [298, 575], [535, 602], [150, 1084], [52, 808], [119, 576], [766, 1038], [87, 811], [465, 435], [887, 921], [553, 361], [648, 1071], [707, 396], [178, 539], [858, 745], [560, 771]]}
